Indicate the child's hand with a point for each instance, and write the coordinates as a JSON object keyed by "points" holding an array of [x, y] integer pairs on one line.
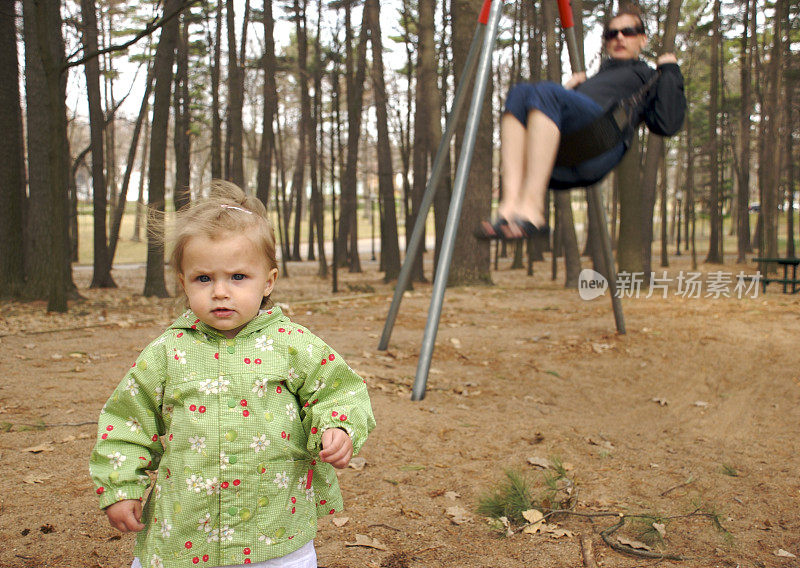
{"points": [[337, 448], [125, 515]]}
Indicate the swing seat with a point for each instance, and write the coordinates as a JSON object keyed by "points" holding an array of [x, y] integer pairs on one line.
{"points": [[594, 139]]}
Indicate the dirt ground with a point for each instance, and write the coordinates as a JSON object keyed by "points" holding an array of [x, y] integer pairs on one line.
{"points": [[696, 408]]}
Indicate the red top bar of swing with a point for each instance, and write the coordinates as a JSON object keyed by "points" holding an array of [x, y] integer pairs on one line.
{"points": [[484, 17], [565, 11]]}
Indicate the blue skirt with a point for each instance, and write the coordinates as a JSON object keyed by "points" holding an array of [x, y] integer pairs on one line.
{"points": [[570, 111]]}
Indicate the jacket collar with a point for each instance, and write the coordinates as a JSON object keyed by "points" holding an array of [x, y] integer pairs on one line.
{"points": [[189, 321]]}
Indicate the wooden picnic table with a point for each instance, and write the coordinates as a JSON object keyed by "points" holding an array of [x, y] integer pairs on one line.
{"points": [[785, 263]]}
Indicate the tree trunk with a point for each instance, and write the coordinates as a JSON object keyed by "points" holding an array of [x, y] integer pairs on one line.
{"points": [[12, 165], [664, 213], [390, 247], [139, 216], [154, 284], [47, 260], [235, 102], [471, 261], [348, 222], [715, 254], [655, 148], [743, 245], [317, 169], [270, 95], [119, 209], [183, 120], [629, 244], [298, 179], [771, 162], [216, 120], [101, 276]]}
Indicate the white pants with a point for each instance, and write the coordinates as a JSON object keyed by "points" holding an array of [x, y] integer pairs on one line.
{"points": [[303, 557]]}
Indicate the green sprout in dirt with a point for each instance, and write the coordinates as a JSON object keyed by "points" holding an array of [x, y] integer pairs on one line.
{"points": [[519, 493], [646, 528], [729, 470]]}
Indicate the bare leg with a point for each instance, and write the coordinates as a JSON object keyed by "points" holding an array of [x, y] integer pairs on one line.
{"points": [[513, 153], [541, 147]]}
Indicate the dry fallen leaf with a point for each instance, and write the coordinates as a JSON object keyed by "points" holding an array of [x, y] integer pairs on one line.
{"points": [[340, 521], [46, 447], [601, 347], [357, 463], [535, 518], [633, 543], [456, 342], [458, 515], [36, 478], [701, 404], [452, 495], [555, 532], [660, 401], [661, 528], [605, 444], [366, 542], [784, 553], [544, 463]]}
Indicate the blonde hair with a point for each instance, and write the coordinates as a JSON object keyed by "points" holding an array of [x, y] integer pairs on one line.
{"points": [[227, 209]]}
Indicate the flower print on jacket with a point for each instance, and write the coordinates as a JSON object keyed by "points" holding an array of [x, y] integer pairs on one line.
{"points": [[260, 443], [265, 344], [259, 386]]}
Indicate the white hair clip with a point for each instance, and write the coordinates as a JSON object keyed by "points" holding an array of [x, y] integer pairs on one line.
{"points": [[225, 206]]}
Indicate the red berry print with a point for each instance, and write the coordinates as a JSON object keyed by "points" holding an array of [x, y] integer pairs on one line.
{"points": [[192, 407], [334, 414], [331, 357], [322, 502], [300, 331], [197, 320], [269, 313], [343, 417], [180, 334], [247, 360], [236, 482], [281, 330], [195, 560], [283, 435], [314, 430], [323, 362], [100, 490], [247, 561], [245, 413], [315, 401], [243, 402], [293, 510], [170, 437], [279, 390], [224, 484], [246, 551], [104, 436], [134, 364], [332, 511], [257, 361], [205, 558], [155, 437], [313, 462], [109, 427], [194, 327], [216, 355], [188, 544], [176, 357], [294, 500], [201, 410]]}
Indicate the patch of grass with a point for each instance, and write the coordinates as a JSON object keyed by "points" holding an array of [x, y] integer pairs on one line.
{"points": [[729, 470], [519, 492], [645, 531]]}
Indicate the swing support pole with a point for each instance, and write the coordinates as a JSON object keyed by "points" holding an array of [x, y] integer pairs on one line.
{"points": [[457, 200], [594, 197], [413, 243]]}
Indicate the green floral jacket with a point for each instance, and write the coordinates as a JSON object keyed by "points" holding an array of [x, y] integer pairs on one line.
{"points": [[233, 427]]}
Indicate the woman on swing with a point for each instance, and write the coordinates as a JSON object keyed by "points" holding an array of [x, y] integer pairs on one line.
{"points": [[536, 115]]}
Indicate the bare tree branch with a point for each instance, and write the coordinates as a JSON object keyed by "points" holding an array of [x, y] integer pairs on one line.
{"points": [[148, 30]]}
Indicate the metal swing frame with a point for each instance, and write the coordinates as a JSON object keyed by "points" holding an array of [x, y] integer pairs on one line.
{"points": [[480, 66]]}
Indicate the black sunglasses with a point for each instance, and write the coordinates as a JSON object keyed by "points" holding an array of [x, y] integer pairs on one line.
{"points": [[629, 31]]}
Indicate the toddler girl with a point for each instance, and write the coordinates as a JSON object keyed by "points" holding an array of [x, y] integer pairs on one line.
{"points": [[243, 413]]}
